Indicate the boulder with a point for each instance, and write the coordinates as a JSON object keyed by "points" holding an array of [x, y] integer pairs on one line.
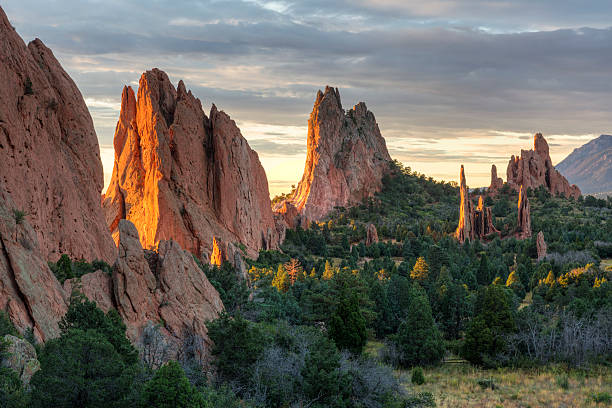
{"points": [[165, 286], [96, 286], [49, 154], [181, 175], [541, 246], [534, 169], [21, 357], [371, 235], [345, 161]]}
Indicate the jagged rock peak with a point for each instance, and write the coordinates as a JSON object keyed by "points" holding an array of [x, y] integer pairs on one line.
{"points": [[534, 169], [49, 154], [345, 161], [524, 215], [182, 175], [371, 235], [496, 182], [474, 223]]}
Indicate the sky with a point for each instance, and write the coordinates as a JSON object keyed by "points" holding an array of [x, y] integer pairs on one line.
{"points": [[450, 82]]}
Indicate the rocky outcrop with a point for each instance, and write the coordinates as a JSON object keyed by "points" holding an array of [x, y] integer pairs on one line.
{"points": [[20, 356], [534, 169], [524, 215], [496, 182], [290, 214], [29, 292], [166, 285], [49, 154], [371, 235], [218, 254], [345, 161], [541, 246], [96, 286], [474, 223], [181, 175]]}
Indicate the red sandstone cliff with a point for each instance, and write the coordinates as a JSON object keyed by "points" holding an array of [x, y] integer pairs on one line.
{"points": [[49, 155], [181, 175], [346, 158], [534, 169]]}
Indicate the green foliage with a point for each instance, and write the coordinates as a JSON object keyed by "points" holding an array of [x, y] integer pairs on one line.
{"points": [[494, 319], [418, 340], [347, 326], [65, 268], [232, 289], [83, 314], [602, 397], [238, 344], [19, 216], [170, 388], [12, 392], [6, 325], [417, 376], [80, 369]]}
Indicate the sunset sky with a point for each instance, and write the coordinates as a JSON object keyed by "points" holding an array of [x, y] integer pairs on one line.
{"points": [[450, 82]]}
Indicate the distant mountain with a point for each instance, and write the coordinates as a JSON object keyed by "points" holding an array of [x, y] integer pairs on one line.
{"points": [[590, 166]]}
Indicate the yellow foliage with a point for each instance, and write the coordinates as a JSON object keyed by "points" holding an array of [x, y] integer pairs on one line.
{"points": [[420, 270]]}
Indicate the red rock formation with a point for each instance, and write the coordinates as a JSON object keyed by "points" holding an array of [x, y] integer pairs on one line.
{"points": [[181, 175], [541, 246], [166, 285], [474, 223], [96, 286], [346, 157], [524, 215], [49, 154], [371, 235], [29, 292], [534, 169], [496, 182]]}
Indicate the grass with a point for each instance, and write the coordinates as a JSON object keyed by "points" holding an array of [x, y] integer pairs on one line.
{"points": [[463, 385], [606, 264]]}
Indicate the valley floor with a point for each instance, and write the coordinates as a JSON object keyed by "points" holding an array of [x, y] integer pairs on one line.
{"points": [[457, 385]]}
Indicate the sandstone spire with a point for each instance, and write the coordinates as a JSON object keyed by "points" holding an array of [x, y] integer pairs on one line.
{"points": [[534, 169], [346, 157], [49, 154], [464, 230], [524, 215], [496, 182], [541, 246], [181, 175]]}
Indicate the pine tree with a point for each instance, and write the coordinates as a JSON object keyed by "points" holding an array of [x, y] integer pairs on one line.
{"points": [[347, 325], [483, 276], [420, 272]]}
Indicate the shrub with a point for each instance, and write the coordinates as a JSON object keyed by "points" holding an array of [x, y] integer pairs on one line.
{"points": [[602, 397], [486, 383], [6, 325], [28, 87], [417, 376], [562, 381], [19, 216]]}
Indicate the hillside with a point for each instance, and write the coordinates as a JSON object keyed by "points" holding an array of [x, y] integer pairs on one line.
{"points": [[590, 166]]}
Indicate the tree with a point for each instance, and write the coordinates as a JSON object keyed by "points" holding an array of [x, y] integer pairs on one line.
{"points": [[170, 388], [281, 280], [494, 319], [294, 270], [483, 276], [80, 369], [420, 272], [328, 272], [418, 340], [83, 314], [347, 325], [514, 282], [12, 393]]}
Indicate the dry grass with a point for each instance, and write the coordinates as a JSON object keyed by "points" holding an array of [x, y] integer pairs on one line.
{"points": [[456, 385], [606, 264]]}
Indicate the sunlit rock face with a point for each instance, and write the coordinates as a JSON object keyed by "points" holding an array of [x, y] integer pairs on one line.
{"points": [[49, 154], [345, 161], [182, 175], [534, 169], [474, 223]]}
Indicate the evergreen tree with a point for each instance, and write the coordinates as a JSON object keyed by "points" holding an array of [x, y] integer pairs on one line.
{"points": [[418, 340], [483, 276], [170, 388], [347, 326], [420, 272], [515, 284]]}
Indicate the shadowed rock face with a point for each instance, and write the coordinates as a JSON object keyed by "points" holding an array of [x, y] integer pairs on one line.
{"points": [[371, 235], [541, 246], [345, 161], [496, 182], [534, 169], [166, 285], [29, 292], [49, 155], [181, 175]]}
